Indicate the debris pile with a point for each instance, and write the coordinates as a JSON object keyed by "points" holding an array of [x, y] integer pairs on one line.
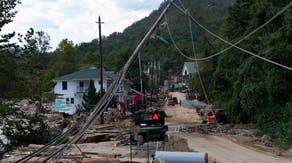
{"points": [[177, 143], [54, 120], [112, 116], [265, 140], [97, 137]]}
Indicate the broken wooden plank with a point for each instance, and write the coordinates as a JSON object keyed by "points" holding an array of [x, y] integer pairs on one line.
{"points": [[95, 138], [103, 154]]}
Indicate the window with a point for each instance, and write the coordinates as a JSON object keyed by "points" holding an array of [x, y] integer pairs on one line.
{"points": [[72, 100], [64, 85], [67, 100], [81, 84]]}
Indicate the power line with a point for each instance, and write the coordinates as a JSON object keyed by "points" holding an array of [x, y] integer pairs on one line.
{"points": [[174, 43], [181, 4], [234, 45], [104, 101], [199, 74]]}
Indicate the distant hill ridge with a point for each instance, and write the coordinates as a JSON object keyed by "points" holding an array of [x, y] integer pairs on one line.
{"points": [[209, 12]]}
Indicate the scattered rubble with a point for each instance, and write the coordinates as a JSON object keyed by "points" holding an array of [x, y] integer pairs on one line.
{"points": [[266, 140], [112, 116], [97, 137], [110, 142], [177, 143], [240, 134]]}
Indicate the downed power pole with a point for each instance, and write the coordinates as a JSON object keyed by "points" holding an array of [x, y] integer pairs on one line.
{"points": [[103, 103]]}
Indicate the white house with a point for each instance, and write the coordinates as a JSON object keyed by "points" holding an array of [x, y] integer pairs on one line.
{"points": [[69, 89], [189, 70]]}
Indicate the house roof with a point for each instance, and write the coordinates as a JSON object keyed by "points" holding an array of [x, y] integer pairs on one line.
{"points": [[91, 73], [191, 67]]}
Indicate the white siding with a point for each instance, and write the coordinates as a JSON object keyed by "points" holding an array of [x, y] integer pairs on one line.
{"points": [[73, 91], [71, 88]]}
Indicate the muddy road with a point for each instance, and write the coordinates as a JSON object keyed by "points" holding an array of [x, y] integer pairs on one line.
{"points": [[219, 148]]}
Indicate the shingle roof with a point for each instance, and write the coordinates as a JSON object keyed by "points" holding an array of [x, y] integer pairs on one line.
{"points": [[87, 74], [191, 67]]}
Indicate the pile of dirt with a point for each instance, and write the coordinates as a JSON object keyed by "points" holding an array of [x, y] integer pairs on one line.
{"points": [[218, 129], [191, 128], [54, 120], [176, 143], [265, 140], [125, 123], [287, 153], [112, 116]]}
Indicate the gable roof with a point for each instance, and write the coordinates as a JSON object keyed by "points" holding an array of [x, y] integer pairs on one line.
{"points": [[91, 73], [191, 67]]}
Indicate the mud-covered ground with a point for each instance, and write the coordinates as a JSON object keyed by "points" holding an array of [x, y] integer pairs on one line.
{"points": [[224, 144]]}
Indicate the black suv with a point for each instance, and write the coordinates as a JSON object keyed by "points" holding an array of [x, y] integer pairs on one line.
{"points": [[149, 126]]}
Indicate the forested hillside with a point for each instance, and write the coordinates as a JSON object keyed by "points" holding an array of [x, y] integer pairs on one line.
{"points": [[250, 89], [210, 12]]}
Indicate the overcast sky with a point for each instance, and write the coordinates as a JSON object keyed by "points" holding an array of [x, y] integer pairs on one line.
{"points": [[76, 19]]}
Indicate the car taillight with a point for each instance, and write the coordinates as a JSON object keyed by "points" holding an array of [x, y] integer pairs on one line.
{"points": [[155, 116]]}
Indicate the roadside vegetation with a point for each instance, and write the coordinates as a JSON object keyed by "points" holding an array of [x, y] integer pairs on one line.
{"points": [[20, 129]]}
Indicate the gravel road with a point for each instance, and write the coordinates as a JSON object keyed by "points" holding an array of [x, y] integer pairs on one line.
{"points": [[219, 148]]}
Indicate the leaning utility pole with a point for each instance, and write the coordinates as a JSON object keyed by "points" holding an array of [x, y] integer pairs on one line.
{"points": [[141, 80], [100, 58]]}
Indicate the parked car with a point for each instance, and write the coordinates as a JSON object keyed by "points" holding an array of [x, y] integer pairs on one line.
{"points": [[190, 95], [175, 100], [217, 116], [220, 116], [170, 101]]}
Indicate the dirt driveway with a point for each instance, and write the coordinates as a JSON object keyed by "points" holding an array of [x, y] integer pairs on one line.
{"points": [[219, 148]]}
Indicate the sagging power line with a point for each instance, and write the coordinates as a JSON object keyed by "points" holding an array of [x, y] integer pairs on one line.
{"points": [[199, 74], [184, 11]]}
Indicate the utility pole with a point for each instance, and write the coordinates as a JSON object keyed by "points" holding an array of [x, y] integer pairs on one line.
{"points": [[100, 58], [141, 81]]}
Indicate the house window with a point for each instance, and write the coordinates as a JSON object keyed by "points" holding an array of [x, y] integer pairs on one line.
{"points": [[81, 84], [72, 100], [186, 73], [67, 100], [64, 85]]}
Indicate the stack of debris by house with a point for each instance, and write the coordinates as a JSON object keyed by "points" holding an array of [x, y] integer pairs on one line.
{"points": [[112, 116]]}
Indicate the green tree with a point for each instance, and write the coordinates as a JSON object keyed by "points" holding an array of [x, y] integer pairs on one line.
{"points": [[22, 129], [64, 59], [8, 65], [34, 63], [90, 58], [250, 89], [8, 75], [6, 15], [91, 98]]}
